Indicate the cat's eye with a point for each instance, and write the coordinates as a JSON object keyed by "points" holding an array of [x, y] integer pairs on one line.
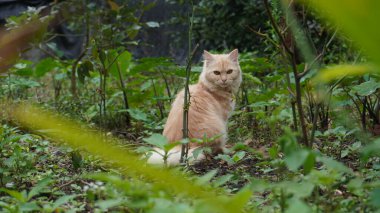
{"points": [[216, 72], [229, 71]]}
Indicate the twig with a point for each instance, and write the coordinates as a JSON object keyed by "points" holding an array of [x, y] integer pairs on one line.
{"points": [[309, 67], [186, 106], [264, 35]]}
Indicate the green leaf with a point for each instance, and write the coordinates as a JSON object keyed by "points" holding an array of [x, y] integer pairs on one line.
{"points": [[226, 158], [170, 146], [372, 149], [157, 140], [238, 156], [15, 194], [300, 190], [222, 180], [355, 186], [357, 19], [249, 77], [297, 205], [39, 187], [28, 207], [138, 114], [198, 151], [62, 200], [241, 198], [206, 178], [295, 159], [122, 60], [44, 66], [375, 198], [309, 163], [24, 72], [366, 88], [344, 153], [339, 71], [334, 165], [106, 204]]}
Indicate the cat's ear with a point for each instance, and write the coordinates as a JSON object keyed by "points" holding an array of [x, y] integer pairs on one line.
{"points": [[234, 55], [207, 56]]}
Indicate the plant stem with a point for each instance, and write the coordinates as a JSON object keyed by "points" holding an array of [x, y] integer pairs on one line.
{"points": [[186, 101], [125, 98], [159, 103]]}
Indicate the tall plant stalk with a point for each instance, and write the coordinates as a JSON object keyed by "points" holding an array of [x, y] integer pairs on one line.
{"points": [[186, 100]]}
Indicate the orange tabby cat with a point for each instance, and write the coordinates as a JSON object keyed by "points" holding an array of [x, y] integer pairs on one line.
{"points": [[211, 103]]}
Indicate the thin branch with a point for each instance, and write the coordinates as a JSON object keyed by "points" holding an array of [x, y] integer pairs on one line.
{"points": [[276, 28], [308, 67], [265, 36]]}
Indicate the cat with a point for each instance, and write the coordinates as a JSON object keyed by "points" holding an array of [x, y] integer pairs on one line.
{"points": [[211, 103]]}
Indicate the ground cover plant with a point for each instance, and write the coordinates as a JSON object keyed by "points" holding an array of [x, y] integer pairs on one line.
{"points": [[75, 132]]}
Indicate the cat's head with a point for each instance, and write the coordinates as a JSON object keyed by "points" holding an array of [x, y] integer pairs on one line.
{"points": [[221, 71]]}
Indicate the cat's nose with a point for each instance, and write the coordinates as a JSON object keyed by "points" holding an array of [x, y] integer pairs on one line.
{"points": [[224, 80]]}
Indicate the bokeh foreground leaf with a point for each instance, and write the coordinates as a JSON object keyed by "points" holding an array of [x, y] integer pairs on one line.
{"points": [[357, 19], [340, 71], [61, 129]]}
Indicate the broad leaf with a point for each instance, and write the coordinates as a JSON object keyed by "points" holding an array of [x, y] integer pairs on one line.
{"points": [[366, 88], [44, 66], [157, 140], [295, 159], [138, 114]]}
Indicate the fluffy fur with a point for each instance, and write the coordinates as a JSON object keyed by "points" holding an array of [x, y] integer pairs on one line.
{"points": [[211, 102]]}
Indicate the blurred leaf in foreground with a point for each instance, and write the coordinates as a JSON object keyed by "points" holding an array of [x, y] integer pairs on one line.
{"points": [[357, 19], [61, 129], [340, 71]]}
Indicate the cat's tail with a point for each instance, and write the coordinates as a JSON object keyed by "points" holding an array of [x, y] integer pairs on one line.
{"points": [[174, 156]]}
